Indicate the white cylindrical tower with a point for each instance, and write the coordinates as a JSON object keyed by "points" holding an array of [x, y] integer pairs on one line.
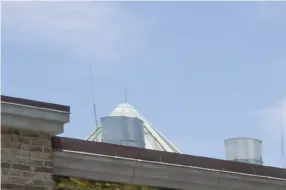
{"points": [[245, 150], [122, 130]]}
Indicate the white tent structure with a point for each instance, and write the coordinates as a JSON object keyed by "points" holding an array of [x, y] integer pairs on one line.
{"points": [[153, 139]]}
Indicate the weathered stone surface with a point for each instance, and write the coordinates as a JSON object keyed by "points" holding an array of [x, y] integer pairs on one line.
{"points": [[5, 165], [21, 167], [49, 164], [11, 186], [26, 160], [4, 171], [15, 173], [43, 169]]}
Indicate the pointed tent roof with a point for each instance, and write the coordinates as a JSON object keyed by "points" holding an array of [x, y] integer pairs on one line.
{"points": [[153, 139]]}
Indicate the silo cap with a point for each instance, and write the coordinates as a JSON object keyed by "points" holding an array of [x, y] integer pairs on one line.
{"points": [[124, 109]]}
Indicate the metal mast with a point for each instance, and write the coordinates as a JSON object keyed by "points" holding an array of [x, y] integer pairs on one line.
{"points": [[93, 95]]}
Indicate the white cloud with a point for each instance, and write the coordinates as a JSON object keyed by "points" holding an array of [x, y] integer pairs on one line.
{"points": [[93, 30]]}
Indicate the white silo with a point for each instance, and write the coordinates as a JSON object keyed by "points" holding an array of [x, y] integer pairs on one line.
{"points": [[245, 150], [122, 130]]}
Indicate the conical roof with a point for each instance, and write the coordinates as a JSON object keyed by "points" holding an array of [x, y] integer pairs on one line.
{"points": [[153, 139]]}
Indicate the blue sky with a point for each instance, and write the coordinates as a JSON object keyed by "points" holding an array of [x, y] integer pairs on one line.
{"points": [[200, 72]]}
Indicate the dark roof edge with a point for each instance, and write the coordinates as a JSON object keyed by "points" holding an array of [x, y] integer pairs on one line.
{"points": [[63, 143], [34, 103]]}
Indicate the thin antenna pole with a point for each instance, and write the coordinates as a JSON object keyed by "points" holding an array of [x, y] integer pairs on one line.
{"points": [[282, 135], [93, 95], [282, 130], [125, 96]]}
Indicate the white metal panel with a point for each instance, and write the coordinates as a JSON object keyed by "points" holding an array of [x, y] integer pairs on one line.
{"points": [[121, 130], [244, 150], [153, 139]]}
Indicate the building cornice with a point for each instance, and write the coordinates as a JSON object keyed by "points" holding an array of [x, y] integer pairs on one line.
{"points": [[46, 119], [140, 172]]}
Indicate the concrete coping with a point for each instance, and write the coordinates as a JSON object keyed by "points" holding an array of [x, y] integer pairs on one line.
{"points": [[141, 172], [33, 115]]}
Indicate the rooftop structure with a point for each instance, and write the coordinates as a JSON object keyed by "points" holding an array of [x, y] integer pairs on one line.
{"points": [[247, 150], [153, 139], [28, 128]]}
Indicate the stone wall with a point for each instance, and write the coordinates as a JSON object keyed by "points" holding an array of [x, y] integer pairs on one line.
{"points": [[26, 160]]}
